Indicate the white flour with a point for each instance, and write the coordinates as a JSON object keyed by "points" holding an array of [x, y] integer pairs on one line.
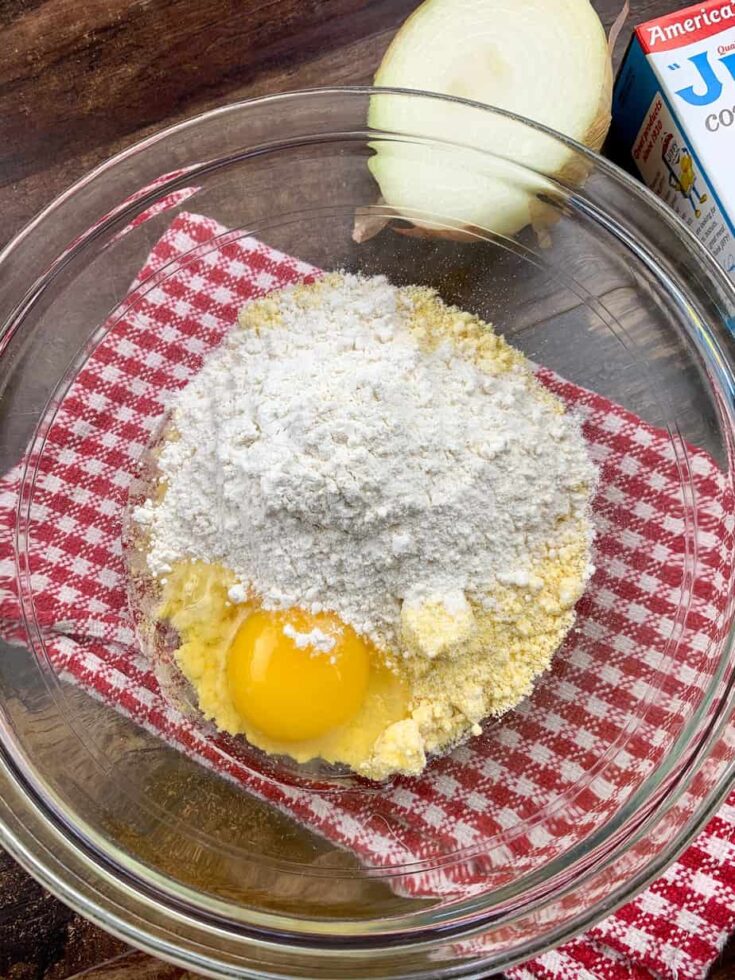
{"points": [[332, 463], [316, 639]]}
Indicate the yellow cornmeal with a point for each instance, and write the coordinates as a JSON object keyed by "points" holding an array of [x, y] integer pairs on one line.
{"points": [[492, 666], [453, 667]]}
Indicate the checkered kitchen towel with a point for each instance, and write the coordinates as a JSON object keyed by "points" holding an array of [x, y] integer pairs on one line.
{"points": [[566, 758]]}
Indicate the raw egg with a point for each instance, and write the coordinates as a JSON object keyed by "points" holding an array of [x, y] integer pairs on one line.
{"points": [[296, 676], [307, 686]]}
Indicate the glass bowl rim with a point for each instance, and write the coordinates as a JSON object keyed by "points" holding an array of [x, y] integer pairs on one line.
{"points": [[365, 91]]}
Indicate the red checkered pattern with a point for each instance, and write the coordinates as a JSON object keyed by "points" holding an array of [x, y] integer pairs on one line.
{"points": [[532, 786]]}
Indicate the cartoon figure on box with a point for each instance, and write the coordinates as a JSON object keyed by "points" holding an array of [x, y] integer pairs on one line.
{"points": [[679, 163]]}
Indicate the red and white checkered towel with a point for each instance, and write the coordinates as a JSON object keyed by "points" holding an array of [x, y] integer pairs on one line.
{"points": [[546, 776]]}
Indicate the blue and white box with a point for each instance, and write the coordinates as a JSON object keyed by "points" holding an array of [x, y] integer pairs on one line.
{"points": [[674, 118]]}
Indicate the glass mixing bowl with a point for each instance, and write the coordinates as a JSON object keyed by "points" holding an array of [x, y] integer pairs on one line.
{"points": [[585, 792]]}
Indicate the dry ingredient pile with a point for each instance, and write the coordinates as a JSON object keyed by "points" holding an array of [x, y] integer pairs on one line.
{"points": [[360, 467]]}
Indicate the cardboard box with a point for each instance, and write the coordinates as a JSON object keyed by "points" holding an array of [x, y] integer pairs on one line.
{"points": [[674, 118]]}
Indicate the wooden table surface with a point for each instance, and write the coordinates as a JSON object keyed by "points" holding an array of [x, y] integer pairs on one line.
{"points": [[82, 79]]}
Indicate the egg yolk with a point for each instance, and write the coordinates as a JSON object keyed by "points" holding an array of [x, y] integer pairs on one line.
{"points": [[294, 675]]}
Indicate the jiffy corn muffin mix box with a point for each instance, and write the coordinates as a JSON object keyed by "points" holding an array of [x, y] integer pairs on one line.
{"points": [[674, 118]]}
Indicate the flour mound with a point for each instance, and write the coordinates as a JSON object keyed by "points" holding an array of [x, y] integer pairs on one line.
{"points": [[334, 461]]}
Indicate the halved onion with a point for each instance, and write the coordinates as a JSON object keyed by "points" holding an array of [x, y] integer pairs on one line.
{"points": [[547, 60]]}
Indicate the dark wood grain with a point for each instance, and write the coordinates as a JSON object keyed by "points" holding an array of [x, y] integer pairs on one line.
{"points": [[79, 81]]}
